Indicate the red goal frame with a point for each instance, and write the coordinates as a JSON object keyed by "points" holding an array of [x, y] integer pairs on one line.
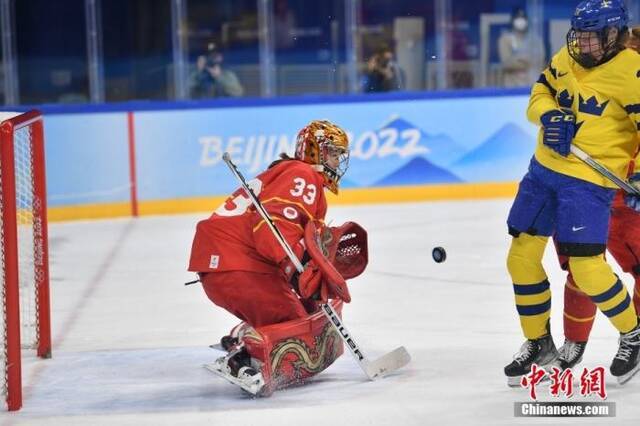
{"points": [[11, 308]]}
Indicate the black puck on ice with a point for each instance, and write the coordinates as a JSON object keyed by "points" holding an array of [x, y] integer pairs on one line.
{"points": [[439, 255]]}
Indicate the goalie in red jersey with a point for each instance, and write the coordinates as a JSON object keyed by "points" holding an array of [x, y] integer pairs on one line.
{"points": [[283, 338]]}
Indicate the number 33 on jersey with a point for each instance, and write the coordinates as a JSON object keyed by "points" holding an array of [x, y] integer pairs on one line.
{"points": [[291, 192], [295, 189]]}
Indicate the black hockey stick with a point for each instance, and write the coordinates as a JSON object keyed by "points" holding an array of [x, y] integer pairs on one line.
{"points": [[626, 186], [387, 363]]}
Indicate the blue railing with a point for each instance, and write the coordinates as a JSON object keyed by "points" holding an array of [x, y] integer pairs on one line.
{"points": [[277, 101]]}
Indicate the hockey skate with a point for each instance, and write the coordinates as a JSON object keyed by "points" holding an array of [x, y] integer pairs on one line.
{"points": [[237, 368], [226, 343], [540, 351], [570, 355], [626, 363]]}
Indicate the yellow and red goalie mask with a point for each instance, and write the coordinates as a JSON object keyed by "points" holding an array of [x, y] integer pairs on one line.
{"points": [[325, 146]]}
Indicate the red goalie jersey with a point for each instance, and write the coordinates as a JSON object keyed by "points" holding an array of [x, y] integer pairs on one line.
{"points": [[283, 339], [236, 238], [241, 264]]}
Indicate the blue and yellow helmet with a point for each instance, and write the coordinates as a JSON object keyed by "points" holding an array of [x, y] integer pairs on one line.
{"points": [[597, 17]]}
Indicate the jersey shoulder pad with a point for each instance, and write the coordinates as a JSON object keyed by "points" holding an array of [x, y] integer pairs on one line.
{"points": [[295, 168], [562, 60]]}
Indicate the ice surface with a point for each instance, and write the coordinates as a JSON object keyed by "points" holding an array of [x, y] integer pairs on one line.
{"points": [[130, 339]]}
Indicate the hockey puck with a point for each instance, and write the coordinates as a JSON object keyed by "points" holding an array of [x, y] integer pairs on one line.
{"points": [[439, 255]]}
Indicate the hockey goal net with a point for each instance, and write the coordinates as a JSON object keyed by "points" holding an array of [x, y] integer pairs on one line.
{"points": [[25, 320]]}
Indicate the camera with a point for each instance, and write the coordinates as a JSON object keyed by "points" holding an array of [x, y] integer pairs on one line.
{"points": [[212, 62]]}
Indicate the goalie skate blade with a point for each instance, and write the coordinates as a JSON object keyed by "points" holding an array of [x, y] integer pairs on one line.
{"points": [[253, 386], [388, 363], [217, 347], [626, 377], [514, 381]]}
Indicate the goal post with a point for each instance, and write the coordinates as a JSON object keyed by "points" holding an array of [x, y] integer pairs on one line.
{"points": [[25, 260]]}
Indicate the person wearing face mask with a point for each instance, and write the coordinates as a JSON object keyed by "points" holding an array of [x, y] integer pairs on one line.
{"points": [[518, 52]]}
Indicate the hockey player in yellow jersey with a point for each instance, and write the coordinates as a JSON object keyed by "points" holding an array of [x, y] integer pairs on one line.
{"points": [[589, 96]]}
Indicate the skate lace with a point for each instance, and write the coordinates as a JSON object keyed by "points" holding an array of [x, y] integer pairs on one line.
{"points": [[569, 351], [627, 343], [526, 350]]}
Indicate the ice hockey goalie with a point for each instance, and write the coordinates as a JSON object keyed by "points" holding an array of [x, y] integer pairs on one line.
{"points": [[283, 338]]}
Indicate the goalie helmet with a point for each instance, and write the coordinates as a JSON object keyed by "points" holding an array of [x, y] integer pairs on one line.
{"points": [[325, 146], [591, 40]]}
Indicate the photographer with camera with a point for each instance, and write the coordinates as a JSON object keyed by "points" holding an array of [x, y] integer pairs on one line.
{"points": [[211, 80], [383, 73]]}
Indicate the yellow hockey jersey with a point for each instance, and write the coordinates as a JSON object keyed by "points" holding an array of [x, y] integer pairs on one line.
{"points": [[606, 103]]}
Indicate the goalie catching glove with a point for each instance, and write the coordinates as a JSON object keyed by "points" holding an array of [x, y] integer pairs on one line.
{"points": [[334, 255]]}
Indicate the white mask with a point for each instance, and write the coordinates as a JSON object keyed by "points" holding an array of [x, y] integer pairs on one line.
{"points": [[520, 24]]}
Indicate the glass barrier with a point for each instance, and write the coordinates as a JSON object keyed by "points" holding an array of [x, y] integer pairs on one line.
{"points": [[223, 48], [492, 46], [393, 41], [308, 40], [51, 52], [136, 40], [442, 44], [119, 50]]}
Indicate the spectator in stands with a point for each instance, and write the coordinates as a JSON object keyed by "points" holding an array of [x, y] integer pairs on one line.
{"points": [[383, 73], [520, 54], [284, 25], [211, 79], [460, 50]]}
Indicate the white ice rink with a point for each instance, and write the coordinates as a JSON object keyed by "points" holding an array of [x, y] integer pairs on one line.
{"points": [[130, 338]]}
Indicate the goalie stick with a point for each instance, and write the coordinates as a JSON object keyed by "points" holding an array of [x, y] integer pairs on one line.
{"points": [[626, 186], [387, 363]]}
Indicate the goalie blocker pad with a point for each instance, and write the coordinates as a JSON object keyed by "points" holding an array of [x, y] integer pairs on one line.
{"points": [[340, 252], [290, 352]]}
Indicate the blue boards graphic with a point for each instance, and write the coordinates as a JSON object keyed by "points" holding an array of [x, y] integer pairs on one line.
{"points": [[504, 156], [416, 172]]}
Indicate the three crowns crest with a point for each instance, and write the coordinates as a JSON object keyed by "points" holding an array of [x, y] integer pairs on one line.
{"points": [[591, 106]]}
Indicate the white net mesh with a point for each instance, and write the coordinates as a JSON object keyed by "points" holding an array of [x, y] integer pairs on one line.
{"points": [[3, 335], [26, 263]]}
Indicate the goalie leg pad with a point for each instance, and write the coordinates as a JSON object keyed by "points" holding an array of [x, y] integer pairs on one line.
{"points": [[291, 352]]}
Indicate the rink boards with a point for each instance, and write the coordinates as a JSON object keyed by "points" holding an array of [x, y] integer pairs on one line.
{"points": [[168, 160]]}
